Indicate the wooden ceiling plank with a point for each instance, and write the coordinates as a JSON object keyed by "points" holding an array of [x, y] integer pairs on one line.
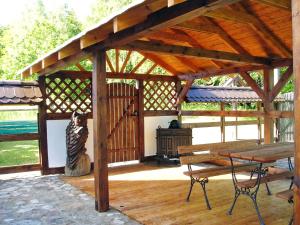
{"points": [[268, 35], [195, 43], [281, 82], [252, 83], [226, 37], [255, 23], [125, 61], [160, 62], [281, 4], [194, 52], [187, 63]]}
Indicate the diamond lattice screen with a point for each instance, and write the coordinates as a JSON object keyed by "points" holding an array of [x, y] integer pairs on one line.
{"points": [[159, 95], [65, 95]]}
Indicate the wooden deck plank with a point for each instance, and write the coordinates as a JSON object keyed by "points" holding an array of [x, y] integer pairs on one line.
{"points": [[156, 195]]}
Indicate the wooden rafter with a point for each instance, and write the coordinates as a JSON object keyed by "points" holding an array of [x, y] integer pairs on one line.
{"points": [[251, 82], [187, 63], [138, 65], [117, 60], [160, 62], [184, 91], [79, 67], [112, 69], [195, 43], [195, 52], [165, 17], [266, 33], [282, 81], [226, 37], [151, 68], [126, 61]]}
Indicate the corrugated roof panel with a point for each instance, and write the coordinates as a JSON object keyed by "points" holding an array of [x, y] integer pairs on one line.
{"points": [[222, 94]]}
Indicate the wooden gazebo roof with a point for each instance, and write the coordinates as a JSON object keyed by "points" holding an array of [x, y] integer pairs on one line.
{"points": [[202, 38]]}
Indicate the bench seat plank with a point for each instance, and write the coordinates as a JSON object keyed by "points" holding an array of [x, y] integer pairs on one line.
{"points": [[216, 171], [269, 178]]}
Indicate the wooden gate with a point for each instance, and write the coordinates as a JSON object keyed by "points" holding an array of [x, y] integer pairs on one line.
{"points": [[123, 126]]}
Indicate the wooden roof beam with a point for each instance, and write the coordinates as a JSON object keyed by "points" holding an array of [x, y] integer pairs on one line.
{"points": [[184, 91], [194, 52], [71, 49], [220, 72], [252, 83], [50, 60], [281, 4], [163, 18]]}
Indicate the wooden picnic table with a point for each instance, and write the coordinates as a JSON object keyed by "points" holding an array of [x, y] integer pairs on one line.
{"points": [[261, 154]]}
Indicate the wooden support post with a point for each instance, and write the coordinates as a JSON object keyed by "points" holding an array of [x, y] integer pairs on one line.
{"points": [[42, 123], [296, 65], [258, 105], [100, 101], [222, 108], [268, 106], [141, 120]]}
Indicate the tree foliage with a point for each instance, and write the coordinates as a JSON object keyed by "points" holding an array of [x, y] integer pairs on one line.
{"points": [[38, 32]]}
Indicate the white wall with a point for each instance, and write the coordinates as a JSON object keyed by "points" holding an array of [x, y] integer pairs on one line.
{"points": [[150, 126], [56, 134]]}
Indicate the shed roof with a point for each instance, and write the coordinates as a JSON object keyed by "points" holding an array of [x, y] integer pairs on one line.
{"points": [[223, 94], [18, 92], [186, 37]]}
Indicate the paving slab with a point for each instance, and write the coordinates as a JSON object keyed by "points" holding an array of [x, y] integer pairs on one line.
{"points": [[32, 199]]}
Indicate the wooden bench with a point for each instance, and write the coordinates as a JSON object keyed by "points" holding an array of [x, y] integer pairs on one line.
{"points": [[268, 178], [195, 154]]}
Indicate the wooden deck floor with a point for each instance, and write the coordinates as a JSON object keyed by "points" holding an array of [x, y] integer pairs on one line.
{"points": [[156, 195]]}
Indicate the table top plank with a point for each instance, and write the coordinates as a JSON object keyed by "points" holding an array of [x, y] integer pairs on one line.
{"points": [[263, 153]]}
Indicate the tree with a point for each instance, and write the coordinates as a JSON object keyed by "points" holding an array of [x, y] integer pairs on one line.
{"points": [[104, 8], [38, 32]]}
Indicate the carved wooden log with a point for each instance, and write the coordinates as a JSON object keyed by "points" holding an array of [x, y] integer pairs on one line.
{"points": [[78, 162]]}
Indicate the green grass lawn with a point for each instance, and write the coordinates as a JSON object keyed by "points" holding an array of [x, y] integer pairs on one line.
{"points": [[18, 153]]}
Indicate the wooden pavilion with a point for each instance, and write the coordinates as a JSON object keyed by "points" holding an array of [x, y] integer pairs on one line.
{"points": [[191, 39]]}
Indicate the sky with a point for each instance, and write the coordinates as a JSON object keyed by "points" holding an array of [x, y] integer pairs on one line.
{"points": [[10, 10]]}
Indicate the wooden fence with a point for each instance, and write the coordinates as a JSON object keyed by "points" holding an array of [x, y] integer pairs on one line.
{"points": [[285, 126]]}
